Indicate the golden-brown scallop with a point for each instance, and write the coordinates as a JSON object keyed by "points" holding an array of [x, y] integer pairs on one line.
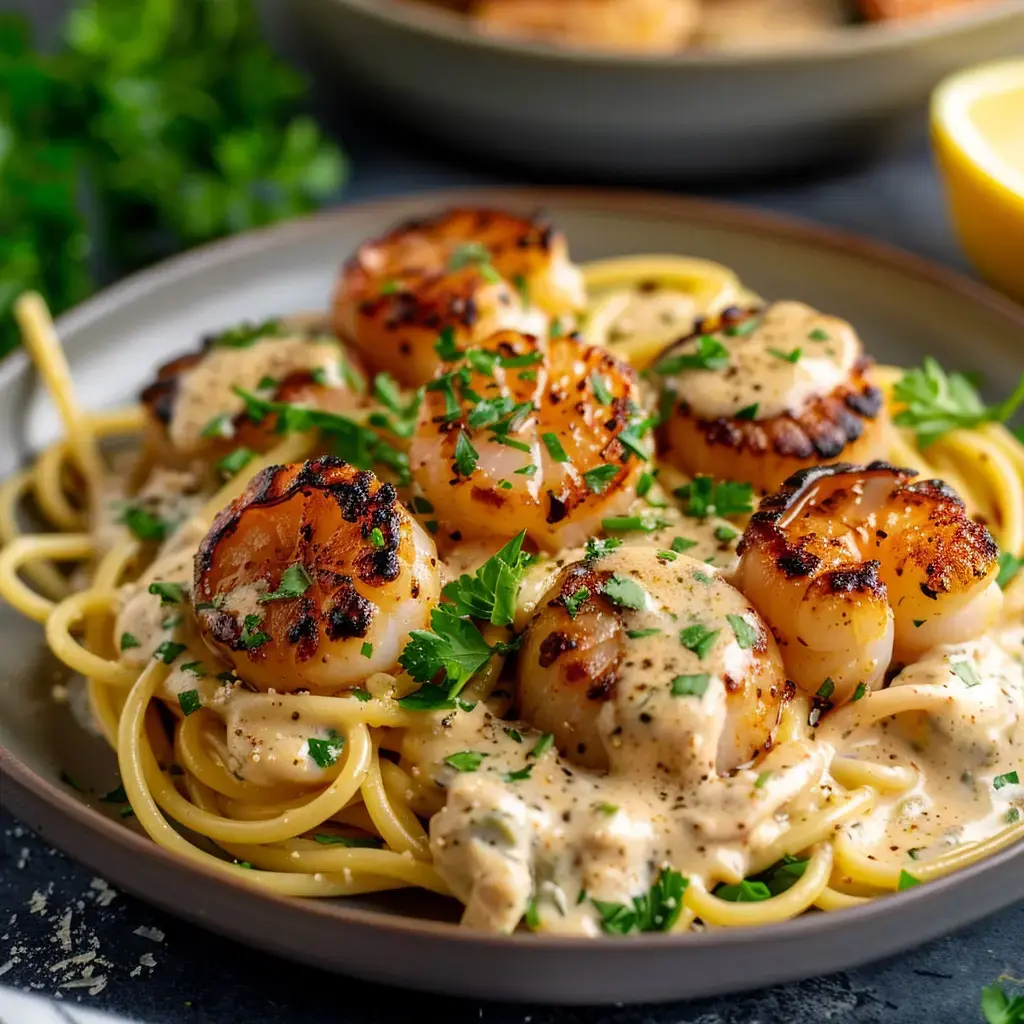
{"points": [[515, 436], [194, 412], [645, 657], [853, 564], [314, 578], [472, 271], [642, 26], [756, 396]]}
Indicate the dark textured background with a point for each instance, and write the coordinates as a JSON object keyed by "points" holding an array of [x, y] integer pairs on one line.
{"points": [[178, 974]]}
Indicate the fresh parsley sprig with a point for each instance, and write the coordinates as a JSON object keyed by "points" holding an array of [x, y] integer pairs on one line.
{"points": [[704, 496], [936, 402], [358, 445], [454, 644]]}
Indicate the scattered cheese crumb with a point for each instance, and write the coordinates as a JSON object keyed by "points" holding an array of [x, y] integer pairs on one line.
{"points": [[153, 934]]}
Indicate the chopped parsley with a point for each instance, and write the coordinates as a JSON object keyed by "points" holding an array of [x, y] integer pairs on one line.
{"points": [[520, 774], [452, 645], [599, 547], [554, 447], [189, 701], [936, 402], [748, 891], [710, 354], [366, 650], [693, 685], [1009, 566], [826, 689], [667, 556], [234, 462], [473, 254], [819, 335], [699, 639], [742, 330], [704, 497], [633, 524], [360, 694], [466, 456], [295, 581], [377, 537], [445, 346], [529, 470], [748, 412], [465, 760], [787, 357], [543, 745], [624, 592], [355, 443], [429, 698], [144, 524], [219, 426], [355, 842], [246, 334], [326, 752], [860, 692], [1009, 779], [575, 601], [907, 881], [606, 809], [168, 651], [252, 633], [967, 673], [1012, 816], [746, 635], [639, 634], [600, 386], [129, 640], [657, 910], [195, 667], [703, 577], [513, 734], [762, 778], [681, 544], [599, 478], [726, 534]]}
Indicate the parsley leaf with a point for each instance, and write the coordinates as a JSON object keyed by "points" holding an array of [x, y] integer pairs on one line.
{"points": [[699, 639], [295, 581], [490, 593], [466, 456], [710, 354], [168, 651], [252, 633], [129, 640], [624, 592], [600, 477], [465, 760], [1009, 779], [575, 601], [144, 524], [690, 686], [936, 402], [234, 462], [704, 497], [325, 752], [999, 1008], [355, 842], [599, 547], [554, 447], [189, 701], [747, 891], [657, 910], [452, 645], [1009, 566], [169, 593]]}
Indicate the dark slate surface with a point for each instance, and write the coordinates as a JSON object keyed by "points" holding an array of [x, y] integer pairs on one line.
{"points": [[173, 973]]}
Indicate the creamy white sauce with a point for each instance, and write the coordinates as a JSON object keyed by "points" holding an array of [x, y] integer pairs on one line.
{"points": [[969, 736], [757, 374], [206, 390]]}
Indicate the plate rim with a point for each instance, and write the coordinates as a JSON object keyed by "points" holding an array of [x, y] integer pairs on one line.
{"points": [[678, 208], [857, 40]]}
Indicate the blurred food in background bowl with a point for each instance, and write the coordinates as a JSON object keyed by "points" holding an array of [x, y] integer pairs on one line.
{"points": [[780, 97], [664, 26], [978, 134]]}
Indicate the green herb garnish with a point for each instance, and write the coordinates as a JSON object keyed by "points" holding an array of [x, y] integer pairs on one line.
{"points": [[189, 701], [295, 581]]}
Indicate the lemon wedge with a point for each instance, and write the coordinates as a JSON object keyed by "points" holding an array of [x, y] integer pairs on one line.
{"points": [[977, 121]]}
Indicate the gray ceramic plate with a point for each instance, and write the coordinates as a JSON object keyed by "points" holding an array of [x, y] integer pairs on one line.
{"points": [[904, 309], [692, 113]]}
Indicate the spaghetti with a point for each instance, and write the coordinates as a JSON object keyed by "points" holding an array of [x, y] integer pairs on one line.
{"points": [[358, 780]]}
